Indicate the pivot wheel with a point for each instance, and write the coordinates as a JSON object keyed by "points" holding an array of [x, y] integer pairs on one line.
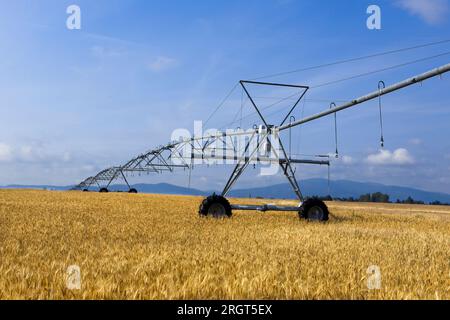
{"points": [[133, 190], [104, 190], [216, 207], [314, 210]]}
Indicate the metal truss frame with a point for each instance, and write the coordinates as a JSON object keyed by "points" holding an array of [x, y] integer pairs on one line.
{"points": [[161, 159]]}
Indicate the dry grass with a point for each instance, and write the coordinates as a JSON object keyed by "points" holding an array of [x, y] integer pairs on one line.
{"points": [[156, 247]]}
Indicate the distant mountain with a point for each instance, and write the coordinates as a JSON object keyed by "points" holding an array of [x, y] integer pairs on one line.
{"points": [[163, 188], [160, 188], [342, 189], [310, 187], [38, 187]]}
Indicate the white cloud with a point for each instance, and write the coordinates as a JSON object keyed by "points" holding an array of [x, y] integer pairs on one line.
{"points": [[30, 154], [102, 52], [66, 157], [342, 159], [432, 11], [6, 153], [347, 160], [385, 157], [162, 63], [416, 141], [88, 168]]}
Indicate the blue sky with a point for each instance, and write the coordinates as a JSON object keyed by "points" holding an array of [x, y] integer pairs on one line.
{"points": [[73, 102]]}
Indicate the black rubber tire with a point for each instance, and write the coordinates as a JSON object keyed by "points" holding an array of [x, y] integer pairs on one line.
{"points": [[314, 210], [215, 206], [103, 190], [85, 190], [132, 190]]}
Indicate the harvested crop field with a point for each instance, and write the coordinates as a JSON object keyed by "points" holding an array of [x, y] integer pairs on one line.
{"points": [[156, 247]]}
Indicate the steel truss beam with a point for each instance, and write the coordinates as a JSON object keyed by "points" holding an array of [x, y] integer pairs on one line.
{"points": [[160, 159]]}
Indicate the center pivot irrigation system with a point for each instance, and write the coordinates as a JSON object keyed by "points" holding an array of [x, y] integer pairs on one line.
{"points": [[170, 157]]}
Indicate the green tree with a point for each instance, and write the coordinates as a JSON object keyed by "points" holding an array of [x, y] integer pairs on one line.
{"points": [[380, 197], [365, 198]]}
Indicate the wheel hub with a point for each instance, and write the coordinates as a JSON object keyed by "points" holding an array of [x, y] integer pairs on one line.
{"points": [[315, 213], [217, 210]]}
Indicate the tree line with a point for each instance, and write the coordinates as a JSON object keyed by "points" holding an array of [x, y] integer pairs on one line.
{"points": [[379, 197]]}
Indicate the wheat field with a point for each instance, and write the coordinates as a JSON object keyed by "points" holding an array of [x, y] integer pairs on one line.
{"points": [[156, 247]]}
